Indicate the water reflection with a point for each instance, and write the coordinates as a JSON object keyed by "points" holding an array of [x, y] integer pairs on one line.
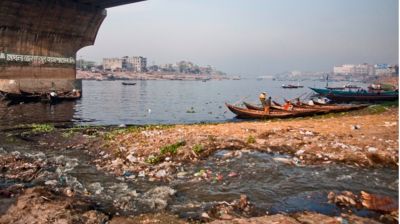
{"points": [[14, 114]]}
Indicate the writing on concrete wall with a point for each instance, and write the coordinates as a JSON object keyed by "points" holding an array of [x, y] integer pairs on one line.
{"points": [[35, 59]]}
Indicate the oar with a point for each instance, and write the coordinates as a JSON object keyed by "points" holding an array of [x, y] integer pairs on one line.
{"points": [[297, 97], [243, 98]]}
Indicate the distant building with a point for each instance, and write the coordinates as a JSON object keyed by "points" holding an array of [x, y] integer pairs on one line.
{"points": [[350, 69], [135, 64], [85, 65], [384, 69], [113, 64]]}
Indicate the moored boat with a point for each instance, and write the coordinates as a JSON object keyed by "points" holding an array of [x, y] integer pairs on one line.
{"points": [[22, 97], [359, 95], [316, 109], [358, 92], [279, 107], [70, 96], [32, 97], [257, 114], [371, 97], [252, 106]]}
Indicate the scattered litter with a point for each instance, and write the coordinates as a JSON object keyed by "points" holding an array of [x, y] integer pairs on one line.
{"points": [[131, 158], [181, 174], [355, 127], [232, 174], [161, 174], [96, 188], [284, 160], [379, 202], [372, 149], [142, 174], [51, 182]]}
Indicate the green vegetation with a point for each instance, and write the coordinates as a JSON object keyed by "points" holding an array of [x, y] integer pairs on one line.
{"points": [[377, 109], [68, 133], [380, 108], [251, 139], [153, 159], [166, 150], [191, 111], [172, 149], [198, 148], [42, 128], [387, 87], [112, 134]]}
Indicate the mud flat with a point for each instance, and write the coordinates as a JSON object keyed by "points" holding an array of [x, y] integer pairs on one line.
{"points": [[326, 169]]}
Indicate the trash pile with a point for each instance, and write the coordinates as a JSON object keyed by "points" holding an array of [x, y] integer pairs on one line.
{"points": [[228, 211], [384, 205]]}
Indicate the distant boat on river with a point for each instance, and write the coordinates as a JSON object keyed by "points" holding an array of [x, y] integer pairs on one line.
{"points": [[128, 83], [290, 86]]}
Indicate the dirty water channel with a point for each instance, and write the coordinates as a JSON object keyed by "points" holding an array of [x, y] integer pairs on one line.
{"points": [[271, 185]]}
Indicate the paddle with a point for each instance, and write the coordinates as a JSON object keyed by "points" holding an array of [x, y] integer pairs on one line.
{"points": [[296, 97], [241, 100]]}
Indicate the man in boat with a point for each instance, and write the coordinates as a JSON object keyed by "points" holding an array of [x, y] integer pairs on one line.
{"points": [[288, 106], [265, 103], [298, 102]]}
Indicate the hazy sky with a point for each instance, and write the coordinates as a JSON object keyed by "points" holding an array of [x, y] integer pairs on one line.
{"points": [[256, 37]]}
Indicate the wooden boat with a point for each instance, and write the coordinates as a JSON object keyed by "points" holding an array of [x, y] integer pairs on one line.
{"points": [[318, 109], [359, 92], [128, 83], [276, 106], [331, 108], [372, 97], [70, 96], [22, 97], [257, 114], [252, 107], [291, 86], [28, 97], [313, 110], [336, 88]]}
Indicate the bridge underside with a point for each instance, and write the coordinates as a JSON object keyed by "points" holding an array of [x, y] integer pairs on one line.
{"points": [[39, 40]]}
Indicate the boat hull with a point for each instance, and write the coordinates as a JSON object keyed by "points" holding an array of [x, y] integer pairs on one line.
{"points": [[353, 93], [316, 109], [362, 98], [257, 114]]}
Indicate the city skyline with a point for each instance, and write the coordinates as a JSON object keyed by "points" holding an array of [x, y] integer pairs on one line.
{"points": [[265, 37]]}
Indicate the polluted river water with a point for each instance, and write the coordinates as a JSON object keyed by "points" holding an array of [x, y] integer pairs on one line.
{"points": [[272, 185]]}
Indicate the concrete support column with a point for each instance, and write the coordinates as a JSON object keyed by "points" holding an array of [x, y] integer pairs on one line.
{"points": [[39, 40]]}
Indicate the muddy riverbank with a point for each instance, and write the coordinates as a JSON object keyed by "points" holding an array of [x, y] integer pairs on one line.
{"points": [[265, 171]]}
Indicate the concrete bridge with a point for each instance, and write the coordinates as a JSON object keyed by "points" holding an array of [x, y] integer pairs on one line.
{"points": [[39, 40]]}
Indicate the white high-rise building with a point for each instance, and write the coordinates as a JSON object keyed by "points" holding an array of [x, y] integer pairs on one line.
{"points": [[350, 69], [136, 64]]}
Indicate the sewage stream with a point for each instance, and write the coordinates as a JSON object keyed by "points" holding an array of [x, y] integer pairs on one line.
{"points": [[271, 186]]}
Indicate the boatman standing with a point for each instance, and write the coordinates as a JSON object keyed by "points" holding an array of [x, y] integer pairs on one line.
{"points": [[266, 104]]}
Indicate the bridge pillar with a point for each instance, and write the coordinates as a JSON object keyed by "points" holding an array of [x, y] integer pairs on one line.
{"points": [[39, 40]]}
